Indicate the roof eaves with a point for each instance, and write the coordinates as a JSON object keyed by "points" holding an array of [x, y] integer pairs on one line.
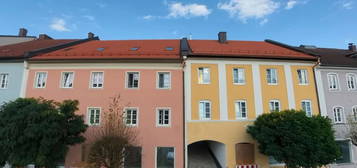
{"points": [[252, 57], [291, 47]]}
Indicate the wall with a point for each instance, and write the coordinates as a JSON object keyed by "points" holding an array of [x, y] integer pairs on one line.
{"points": [[147, 98], [16, 73]]}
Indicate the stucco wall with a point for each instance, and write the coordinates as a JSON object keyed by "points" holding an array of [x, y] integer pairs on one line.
{"points": [[15, 71]]}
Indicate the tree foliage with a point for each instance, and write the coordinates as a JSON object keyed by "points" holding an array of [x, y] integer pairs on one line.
{"points": [[38, 131], [352, 124], [295, 139], [113, 138]]}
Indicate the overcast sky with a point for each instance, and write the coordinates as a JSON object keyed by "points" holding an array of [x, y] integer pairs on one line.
{"points": [[325, 23]]}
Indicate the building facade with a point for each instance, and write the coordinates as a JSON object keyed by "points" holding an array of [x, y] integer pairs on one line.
{"points": [[230, 83], [147, 74], [336, 78]]}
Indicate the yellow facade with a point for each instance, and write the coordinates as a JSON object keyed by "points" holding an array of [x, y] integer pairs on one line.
{"points": [[232, 131]]}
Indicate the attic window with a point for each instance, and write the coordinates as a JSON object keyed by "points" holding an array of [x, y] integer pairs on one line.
{"points": [[134, 48], [100, 49], [169, 48]]}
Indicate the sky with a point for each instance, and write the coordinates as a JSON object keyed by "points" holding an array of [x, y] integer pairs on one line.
{"points": [[324, 23]]}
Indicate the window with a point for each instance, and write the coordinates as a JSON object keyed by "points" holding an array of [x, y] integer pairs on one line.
{"points": [[204, 76], [351, 81], [272, 76], [67, 79], [332, 82], [163, 117], [338, 114], [4, 80], [205, 110], [133, 157], [93, 116], [306, 106], [345, 151], [354, 113], [164, 80], [97, 79], [131, 116], [238, 76], [241, 109], [302, 75], [41, 78], [274, 105], [165, 157], [132, 80]]}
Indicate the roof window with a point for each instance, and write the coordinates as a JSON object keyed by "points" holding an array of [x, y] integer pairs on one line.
{"points": [[134, 48], [100, 49], [169, 48]]}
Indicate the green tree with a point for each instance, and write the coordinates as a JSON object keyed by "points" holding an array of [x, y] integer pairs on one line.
{"points": [[113, 139], [295, 139], [38, 131]]}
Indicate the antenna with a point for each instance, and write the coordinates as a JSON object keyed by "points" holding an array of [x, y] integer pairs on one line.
{"points": [[190, 36]]}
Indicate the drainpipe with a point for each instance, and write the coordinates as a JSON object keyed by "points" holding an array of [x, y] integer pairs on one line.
{"points": [[183, 65], [315, 82]]}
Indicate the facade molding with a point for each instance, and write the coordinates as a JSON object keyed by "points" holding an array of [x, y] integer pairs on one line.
{"points": [[289, 86], [222, 83], [257, 89], [175, 66]]}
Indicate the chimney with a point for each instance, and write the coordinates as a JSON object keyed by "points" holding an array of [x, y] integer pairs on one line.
{"points": [[90, 35], [22, 32], [44, 37], [222, 37], [352, 47]]}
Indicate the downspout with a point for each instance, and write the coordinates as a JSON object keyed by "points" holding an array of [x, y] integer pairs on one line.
{"points": [[183, 65], [315, 82]]}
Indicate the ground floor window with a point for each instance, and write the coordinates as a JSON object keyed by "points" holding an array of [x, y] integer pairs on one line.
{"points": [[165, 157], [133, 157], [345, 151]]}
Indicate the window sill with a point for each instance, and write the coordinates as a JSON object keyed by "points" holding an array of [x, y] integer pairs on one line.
{"points": [[303, 84], [239, 84], [273, 84]]}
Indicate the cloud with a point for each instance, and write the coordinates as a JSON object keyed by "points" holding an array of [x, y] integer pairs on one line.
{"points": [[189, 10], [290, 4], [263, 22], [249, 9], [102, 5], [347, 4], [59, 24], [89, 17], [148, 17]]}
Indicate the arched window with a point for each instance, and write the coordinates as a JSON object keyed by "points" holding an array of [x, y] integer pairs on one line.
{"points": [[338, 114]]}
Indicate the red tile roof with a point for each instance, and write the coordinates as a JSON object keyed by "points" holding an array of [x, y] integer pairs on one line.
{"points": [[117, 49], [246, 49], [18, 50]]}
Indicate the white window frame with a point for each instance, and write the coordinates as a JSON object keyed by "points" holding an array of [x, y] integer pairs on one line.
{"points": [[36, 79], [237, 77], [199, 110], [329, 82], [354, 80], [276, 76], [158, 79], [158, 117], [303, 79], [165, 147], [354, 112], [131, 122], [307, 101], [89, 115], [203, 76], [6, 81], [237, 111], [91, 80], [342, 113], [127, 79], [274, 101], [62, 84]]}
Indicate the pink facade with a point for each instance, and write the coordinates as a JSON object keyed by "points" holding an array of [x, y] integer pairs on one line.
{"points": [[146, 98]]}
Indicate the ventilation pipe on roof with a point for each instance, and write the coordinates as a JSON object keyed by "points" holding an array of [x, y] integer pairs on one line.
{"points": [[352, 47], [90, 35], [44, 37], [22, 32], [222, 37]]}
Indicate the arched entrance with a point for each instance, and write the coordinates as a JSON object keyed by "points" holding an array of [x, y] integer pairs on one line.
{"points": [[206, 154]]}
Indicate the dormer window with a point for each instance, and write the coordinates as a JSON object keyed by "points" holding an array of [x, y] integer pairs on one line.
{"points": [[134, 48], [100, 49], [169, 48]]}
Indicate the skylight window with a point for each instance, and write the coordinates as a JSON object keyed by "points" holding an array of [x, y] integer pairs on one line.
{"points": [[134, 48], [169, 48], [100, 49]]}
